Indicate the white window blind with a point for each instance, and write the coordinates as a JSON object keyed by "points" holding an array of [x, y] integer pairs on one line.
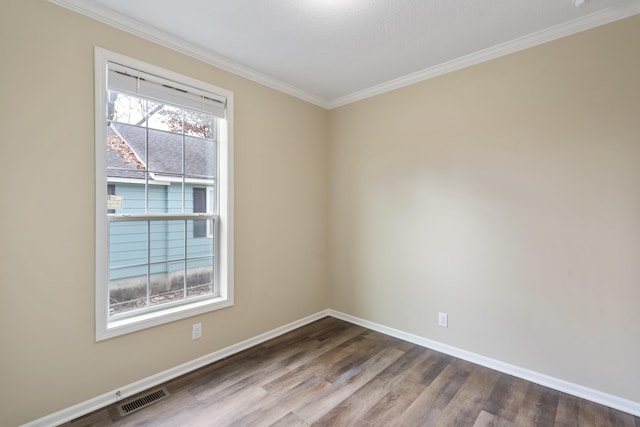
{"points": [[135, 82]]}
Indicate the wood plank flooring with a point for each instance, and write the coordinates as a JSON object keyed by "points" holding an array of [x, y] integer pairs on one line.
{"points": [[333, 373]]}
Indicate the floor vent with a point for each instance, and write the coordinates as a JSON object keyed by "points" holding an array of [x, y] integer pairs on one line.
{"points": [[142, 402]]}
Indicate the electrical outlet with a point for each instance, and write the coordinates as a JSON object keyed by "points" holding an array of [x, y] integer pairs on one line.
{"points": [[443, 320], [196, 331]]}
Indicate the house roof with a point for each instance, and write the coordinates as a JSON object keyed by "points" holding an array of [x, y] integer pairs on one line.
{"points": [[126, 156]]}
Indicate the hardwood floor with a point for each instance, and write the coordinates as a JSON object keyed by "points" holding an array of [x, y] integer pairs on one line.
{"points": [[333, 373]]}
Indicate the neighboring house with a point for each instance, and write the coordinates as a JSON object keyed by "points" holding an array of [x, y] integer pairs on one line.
{"points": [[135, 166]]}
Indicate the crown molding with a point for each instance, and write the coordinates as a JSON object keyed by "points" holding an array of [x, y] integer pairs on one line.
{"points": [[152, 34], [162, 38], [574, 26]]}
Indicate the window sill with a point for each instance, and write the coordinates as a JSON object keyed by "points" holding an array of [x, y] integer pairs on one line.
{"points": [[146, 320]]}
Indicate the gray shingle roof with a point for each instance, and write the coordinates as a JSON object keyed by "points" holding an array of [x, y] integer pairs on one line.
{"points": [[164, 153], [118, 166]]}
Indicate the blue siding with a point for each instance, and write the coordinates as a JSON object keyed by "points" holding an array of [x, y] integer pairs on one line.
{"points": [[128, 240]]}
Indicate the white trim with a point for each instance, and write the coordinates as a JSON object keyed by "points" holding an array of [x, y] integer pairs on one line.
{"points": [[196, 181], [102, 226], [136, 181], [577, 390], [225, 204], [162, 180], [148, 319], [147, 32], [574, 26], [108, 398]]}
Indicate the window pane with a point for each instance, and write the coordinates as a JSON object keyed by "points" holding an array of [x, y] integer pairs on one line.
{"points": [[199, 276], [130, 109], [168, 118], [199, 124], [124, 159], [133, 198], [126, 149], [174, 198], [127, 289], [199, 247], [167, 240], [165, 152], [157, 197], [127, 244], [166, 282], [200, 157]]}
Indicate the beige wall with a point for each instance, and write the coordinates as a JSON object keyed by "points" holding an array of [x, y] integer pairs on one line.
{"points": [[49, 359], [507, 195]]}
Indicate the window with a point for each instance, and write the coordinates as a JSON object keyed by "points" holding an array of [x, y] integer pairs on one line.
{"points": [[111, 191], [164, 242], [202, 203]]}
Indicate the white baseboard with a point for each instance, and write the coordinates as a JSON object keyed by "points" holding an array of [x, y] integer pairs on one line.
{"points": [[596, 396], [107, 399]]}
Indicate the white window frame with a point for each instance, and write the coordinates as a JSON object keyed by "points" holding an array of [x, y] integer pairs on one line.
{"points": [[223, 260]]}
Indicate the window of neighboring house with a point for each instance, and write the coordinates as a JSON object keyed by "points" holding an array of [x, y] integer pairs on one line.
{"points": [[200, 206], [111, 191], [203, 203], [164, 139]]}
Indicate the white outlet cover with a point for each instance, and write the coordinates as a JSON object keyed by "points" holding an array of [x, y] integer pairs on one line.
{"points": [[196, 331], [443, 320]]}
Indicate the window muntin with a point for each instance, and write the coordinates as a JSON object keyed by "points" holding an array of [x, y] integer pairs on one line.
{"points": [[164, 138]]}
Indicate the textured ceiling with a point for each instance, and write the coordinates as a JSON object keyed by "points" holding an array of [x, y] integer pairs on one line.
{"points": [[333, 50]]}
